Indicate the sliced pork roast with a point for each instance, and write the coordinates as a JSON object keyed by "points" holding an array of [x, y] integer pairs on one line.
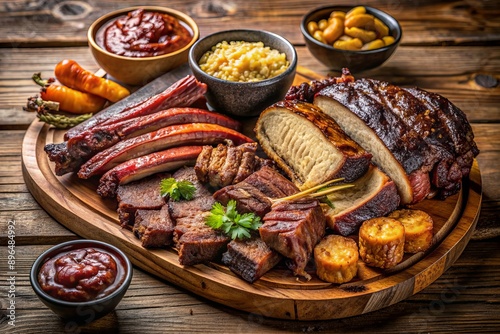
{"points": [[250, 258], [254, 194], [196, 242], [409, 132], [373, 195], [293, 228], [309, 145]]}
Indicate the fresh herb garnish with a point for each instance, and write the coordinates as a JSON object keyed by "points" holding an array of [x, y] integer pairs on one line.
{"points": [[234, 224], [177, 190]]}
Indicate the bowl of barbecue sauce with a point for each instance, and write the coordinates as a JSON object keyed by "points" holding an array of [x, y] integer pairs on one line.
{"points": [[81, 280], [137, 44]]}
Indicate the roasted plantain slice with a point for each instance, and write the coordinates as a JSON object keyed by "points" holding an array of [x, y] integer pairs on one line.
{"points": [[336, 259], [418, 229], [381, 242]]}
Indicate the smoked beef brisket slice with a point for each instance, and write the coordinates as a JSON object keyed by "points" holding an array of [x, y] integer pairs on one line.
{"points": [[309, 145], [454, 134], [396, 149], [196, 242], [250, 258], [373, 195], [154, 228], [143, 194], [293, 228]]}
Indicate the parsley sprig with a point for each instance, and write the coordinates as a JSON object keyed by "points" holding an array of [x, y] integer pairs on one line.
{"points": [[177, 190], [234, 224]]}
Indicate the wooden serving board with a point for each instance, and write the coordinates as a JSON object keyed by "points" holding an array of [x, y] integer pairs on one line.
{"points": [[75, 204]]}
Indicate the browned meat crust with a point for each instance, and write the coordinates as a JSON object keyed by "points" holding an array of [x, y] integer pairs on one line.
{"points": [[154, 228]]}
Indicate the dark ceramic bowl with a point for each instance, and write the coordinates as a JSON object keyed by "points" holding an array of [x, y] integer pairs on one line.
{"points": [[356, 61], [244, 98], [83, 312]]}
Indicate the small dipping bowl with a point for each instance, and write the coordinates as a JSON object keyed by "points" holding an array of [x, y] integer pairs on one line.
{"points": [[85, 311], [355, 60], [244, 98], [140, 70]]}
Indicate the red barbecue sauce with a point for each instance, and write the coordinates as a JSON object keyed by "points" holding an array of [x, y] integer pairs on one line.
{"points": [[81, 275], [143, 34]]}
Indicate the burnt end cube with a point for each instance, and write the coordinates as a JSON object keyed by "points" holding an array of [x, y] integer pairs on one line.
{"points": [[154, 228]]}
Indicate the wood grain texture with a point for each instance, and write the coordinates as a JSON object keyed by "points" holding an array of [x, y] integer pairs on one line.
{"points": [[278, 294]]}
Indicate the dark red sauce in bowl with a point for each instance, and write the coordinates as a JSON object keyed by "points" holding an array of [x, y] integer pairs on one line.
{"points": [[143, 33], [81, 275], [81, 280]]}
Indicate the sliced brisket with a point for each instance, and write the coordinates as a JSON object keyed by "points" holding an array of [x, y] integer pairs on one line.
{"points": [[196, 242], [143, 194], [154, 228], [250, 258], [293, 228]]}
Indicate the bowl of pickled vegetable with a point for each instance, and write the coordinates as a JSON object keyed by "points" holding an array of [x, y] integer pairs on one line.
{"points": [[359, 38]]}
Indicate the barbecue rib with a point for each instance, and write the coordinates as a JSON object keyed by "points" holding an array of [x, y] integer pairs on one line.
{"points": [[170, 136], [138, 168], [308, 145], [183, 93], [94, 140]]}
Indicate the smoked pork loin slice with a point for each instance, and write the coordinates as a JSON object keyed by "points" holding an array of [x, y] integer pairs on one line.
{"points": [[409, 132], [373, 195], [293, 228], [308, 145], [250, 258]]}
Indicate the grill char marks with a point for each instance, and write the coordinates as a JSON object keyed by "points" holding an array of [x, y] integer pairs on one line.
{"points": [[253, 194], [418, 138], [196, 242], [292, 229]]}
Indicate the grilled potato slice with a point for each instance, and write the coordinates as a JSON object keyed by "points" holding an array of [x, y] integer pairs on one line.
{"points": [[381, 242], [336, 259], [418, 229]]}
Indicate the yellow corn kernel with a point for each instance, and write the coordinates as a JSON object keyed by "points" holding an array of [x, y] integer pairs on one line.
{"points": [[364, 35], [376, 44], [388, 40], [356, 11], [353, 44], [312, 27]]}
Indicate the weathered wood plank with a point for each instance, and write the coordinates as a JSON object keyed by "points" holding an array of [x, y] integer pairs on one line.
{"points": [[423, 22], [158, 307]]}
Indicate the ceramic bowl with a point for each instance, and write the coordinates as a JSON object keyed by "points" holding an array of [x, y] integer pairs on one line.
{"points": [[139, 71], [83, 312], [244, 98], [356, 61]]}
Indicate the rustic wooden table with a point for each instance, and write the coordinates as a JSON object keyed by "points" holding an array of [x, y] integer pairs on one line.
{"points": [[450, 47]]}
